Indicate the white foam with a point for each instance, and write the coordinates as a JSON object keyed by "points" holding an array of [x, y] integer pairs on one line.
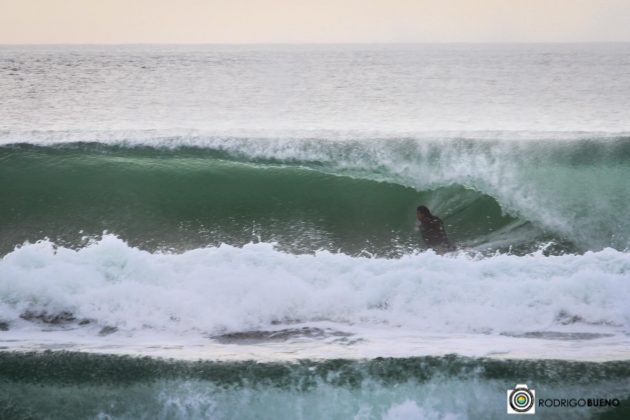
{"points": [[227, 289]]}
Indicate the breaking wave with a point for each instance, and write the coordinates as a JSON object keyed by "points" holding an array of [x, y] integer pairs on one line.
{"points": [[307, 194]]}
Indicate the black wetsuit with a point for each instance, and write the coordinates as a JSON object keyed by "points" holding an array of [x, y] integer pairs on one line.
{"points": [[434, 234]]}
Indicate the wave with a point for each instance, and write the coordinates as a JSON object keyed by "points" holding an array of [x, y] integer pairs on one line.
{"points": [[106, 386], [226, 289], [308, 194], [181, 200]]}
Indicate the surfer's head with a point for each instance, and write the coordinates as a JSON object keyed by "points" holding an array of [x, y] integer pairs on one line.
{"points": [[422, 212]]}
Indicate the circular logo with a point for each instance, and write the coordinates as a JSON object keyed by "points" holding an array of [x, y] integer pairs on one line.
{"points": [[521, 400]]}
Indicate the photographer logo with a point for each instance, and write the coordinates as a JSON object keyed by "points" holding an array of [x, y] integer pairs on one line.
{"points": [[520, 400]]}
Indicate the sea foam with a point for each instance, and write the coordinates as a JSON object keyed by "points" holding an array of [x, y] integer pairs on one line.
{"points": [[227, 289]]}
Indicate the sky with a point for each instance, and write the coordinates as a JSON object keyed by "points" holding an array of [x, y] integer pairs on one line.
{"points": [[312, 21]]}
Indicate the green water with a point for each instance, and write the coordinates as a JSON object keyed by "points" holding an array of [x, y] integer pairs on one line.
{"points": [[187, 198], [59, 385]]}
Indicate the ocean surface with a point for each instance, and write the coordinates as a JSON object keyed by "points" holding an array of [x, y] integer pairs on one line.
{"points": [[229, 231]]}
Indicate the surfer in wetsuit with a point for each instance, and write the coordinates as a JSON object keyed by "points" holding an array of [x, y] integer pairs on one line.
{"points": [[432, 230]]}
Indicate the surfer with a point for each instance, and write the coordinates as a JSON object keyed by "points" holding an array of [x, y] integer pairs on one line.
{"points": [[432, 230]]}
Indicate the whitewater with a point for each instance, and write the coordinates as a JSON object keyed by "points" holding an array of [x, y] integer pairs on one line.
{"points": [[229, 231]]}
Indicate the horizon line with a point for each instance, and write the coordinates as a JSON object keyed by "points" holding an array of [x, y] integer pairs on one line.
{"points": [[317, 43]]}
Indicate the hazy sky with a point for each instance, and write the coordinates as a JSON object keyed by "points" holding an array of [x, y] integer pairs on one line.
{"points": [[254, 21]]}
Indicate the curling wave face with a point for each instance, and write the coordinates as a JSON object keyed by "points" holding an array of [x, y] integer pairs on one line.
{"points": [[307, 194]]}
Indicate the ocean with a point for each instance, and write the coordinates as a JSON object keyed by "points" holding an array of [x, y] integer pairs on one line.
{"points": [[229, 231]]}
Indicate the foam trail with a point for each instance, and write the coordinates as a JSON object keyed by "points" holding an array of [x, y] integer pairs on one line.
{"points": [[221, 289]]}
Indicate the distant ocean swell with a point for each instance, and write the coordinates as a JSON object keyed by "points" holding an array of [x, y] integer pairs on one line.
{"points": [[307, 194]]}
